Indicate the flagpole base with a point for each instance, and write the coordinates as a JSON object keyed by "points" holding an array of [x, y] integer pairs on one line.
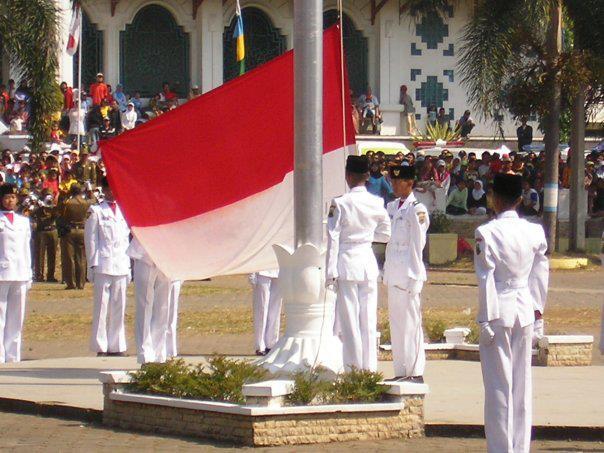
{"points": [[309, 341]]}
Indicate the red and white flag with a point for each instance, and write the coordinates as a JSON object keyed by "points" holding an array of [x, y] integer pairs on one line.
{"points": [[74, 30], [207, 188]]}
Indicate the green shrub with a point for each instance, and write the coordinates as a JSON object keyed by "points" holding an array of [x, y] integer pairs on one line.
{"points": [[357, 386], [308, 387], [222, 380], [435, 329], [439, 223], [474, 334], [384, 330]]}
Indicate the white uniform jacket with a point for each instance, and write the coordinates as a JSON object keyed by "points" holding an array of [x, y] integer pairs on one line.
{"points": [[404, 266], [15, 254], [107, 237], [512, 270], [355, 220]]}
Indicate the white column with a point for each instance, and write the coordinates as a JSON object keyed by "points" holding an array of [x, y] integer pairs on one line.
{"points": [[111, 57], [66, 62], [212, 28]]}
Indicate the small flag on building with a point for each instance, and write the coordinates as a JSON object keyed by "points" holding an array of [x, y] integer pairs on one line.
{"points": [[238, 36], [74, 30]]}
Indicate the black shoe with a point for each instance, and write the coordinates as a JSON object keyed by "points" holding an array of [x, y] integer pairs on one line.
{"points": [[414, 379], [117, 354], [70, 287], [52, 280], [266, 351], [80, 287], [101, 354], [394, 379], [261, 353]]}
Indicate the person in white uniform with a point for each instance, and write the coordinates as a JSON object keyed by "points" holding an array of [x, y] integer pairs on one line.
{"points": [[107, 237], [513, 271], [267, 302], [156, 300], [355, 220], [15, 273], [405, 274]]}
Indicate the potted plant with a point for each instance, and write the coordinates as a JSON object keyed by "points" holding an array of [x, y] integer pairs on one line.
{"points": [[442, 244]]}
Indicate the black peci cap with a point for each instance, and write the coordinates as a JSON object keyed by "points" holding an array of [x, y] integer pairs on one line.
{"points": [[357, 164], [402, 172], [8, 189], [508, 186]]}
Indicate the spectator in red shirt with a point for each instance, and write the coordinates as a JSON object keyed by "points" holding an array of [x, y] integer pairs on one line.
{"points": [[52, 183], [99, 90], [167, 94], [495, 164], [67, 96]]}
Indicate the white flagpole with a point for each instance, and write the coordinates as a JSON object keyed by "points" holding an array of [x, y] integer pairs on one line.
{"points": [[79, 73]]}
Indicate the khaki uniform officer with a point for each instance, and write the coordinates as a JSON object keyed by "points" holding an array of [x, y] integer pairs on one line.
{"points": [[15, 273], [107, 239], [405, 274], [73, 216], [512, 272], [84, 170], [355, 220], [46, 240]]}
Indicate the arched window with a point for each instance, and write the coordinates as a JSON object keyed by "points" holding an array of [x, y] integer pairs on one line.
{"points": [[92, 49], [355, 49], [154, 49], [263, 42]]}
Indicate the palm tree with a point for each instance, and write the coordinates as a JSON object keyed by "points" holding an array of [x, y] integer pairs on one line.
{"points": [[512, 59], [29, 30]]}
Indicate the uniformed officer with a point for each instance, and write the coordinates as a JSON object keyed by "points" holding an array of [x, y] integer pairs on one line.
{"points": [[107, 239], [405, 274], [85, 171], [154, 307], [355, 220], [15, 273], [267, 309], [512, 271], [46, 239], [73, 215]]}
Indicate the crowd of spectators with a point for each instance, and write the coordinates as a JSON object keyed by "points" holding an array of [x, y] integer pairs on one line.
{"points": [[466, 178]]}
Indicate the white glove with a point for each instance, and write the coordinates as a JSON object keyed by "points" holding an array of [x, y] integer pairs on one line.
{"points": [[487, 335], [332, 284], [538, 330], [415, 286]]}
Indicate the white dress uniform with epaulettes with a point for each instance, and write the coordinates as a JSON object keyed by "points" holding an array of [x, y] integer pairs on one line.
{"points": [[405, 274], [355, 220], [156, 299], [267, 303], [107, 238], [15, 280], [512, 271]]}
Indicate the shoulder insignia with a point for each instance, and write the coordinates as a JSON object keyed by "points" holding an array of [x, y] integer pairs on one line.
{"points": [[422, 217], [478, 250], [415, 203]]}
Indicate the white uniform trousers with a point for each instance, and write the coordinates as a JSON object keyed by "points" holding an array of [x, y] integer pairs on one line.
{"points": [[108, 332], [356, 308], [406, 332], [267, 312], [12, 313], [171, 334], [152, 299], [506, 372]]}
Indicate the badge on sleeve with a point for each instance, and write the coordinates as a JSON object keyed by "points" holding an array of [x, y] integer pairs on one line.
{"points": [[332, 208], [421, 217], [478, 241]]}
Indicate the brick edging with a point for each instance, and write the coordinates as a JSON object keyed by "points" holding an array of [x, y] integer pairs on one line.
{"points": [[575, 433], [19, 406]]}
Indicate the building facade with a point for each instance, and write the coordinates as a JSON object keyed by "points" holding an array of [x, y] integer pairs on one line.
{"points": [[142, 43]]}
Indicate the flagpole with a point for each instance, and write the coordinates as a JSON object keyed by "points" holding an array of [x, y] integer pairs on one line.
{"points": [[79, 74], [308, 122]]}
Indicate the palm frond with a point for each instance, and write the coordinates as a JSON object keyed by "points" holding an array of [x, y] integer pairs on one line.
{"points": [[422, 8], [30, 35]]}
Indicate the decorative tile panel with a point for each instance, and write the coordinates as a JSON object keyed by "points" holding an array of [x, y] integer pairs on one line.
{"points": [[449, 52], [415, 73], [449, 73], [432, 30], [414, 50], [432, 92]]}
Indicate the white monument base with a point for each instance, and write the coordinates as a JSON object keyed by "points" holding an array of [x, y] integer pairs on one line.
{"points": [[308, 341]]}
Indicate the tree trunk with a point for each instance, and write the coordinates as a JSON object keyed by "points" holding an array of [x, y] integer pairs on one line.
{"points": [[552, 127], [577, 186]]}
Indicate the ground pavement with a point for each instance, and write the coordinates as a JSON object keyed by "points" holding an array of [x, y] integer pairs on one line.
{"points": [[29, 434], [563, 396]]}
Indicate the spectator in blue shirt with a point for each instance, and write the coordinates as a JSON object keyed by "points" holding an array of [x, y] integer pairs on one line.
{"points": [[378, 185]]}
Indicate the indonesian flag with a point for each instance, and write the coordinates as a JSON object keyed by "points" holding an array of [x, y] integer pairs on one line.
{"points": [[208, 188], [74, 30]]}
